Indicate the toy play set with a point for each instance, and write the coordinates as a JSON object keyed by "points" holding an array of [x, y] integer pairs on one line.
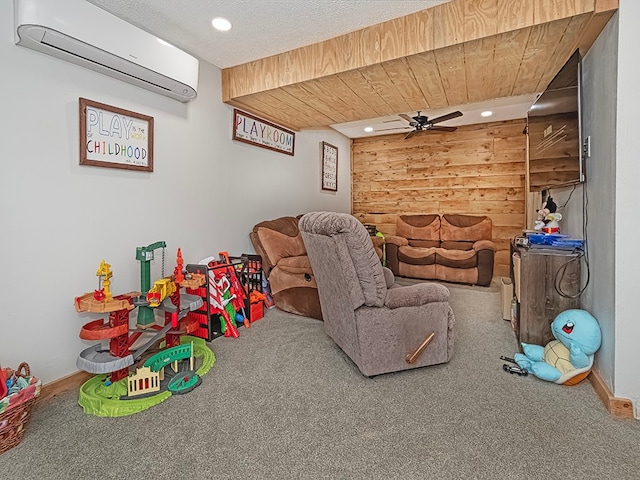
{"points": [[199, 303]]}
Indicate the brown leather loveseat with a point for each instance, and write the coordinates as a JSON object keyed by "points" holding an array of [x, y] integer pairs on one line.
{"points": [[451, 248]]}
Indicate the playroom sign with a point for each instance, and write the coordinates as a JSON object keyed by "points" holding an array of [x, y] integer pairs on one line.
{"points": [[252, 130], [114, 137]]}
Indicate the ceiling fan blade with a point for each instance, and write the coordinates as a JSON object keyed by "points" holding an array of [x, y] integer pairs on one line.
{"points": [[387, 129], [443, 129], [410, 134], [446, 117], [406, 117]]}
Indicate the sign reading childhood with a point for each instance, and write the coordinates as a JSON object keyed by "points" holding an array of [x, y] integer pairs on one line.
{"points": [[114, 137]]}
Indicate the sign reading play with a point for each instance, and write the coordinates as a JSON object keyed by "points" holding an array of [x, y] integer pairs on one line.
{"points": [[114, 137], [250, 129]]}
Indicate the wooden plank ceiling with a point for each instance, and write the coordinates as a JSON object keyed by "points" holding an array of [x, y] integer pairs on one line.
{"points": [[459, 52]]}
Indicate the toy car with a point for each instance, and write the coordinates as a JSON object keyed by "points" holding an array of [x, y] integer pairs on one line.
{"points": [[515, 369]]}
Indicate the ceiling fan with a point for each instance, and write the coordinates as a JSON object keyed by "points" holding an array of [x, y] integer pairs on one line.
{"points": [[421, 123]]}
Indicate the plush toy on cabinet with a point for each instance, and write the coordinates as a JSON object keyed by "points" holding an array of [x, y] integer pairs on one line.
{"points": [[548, 217]]}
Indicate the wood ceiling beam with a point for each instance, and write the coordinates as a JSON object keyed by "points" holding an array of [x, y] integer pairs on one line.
{"points": [[430, 59]]}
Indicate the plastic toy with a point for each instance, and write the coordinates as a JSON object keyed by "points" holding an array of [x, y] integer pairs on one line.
{"points": [[548, 217], [3, 383], [145, 255], [102, 394], [568, 359]]}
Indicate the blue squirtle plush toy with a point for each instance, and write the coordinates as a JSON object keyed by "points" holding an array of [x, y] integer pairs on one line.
{"points": [[568, 359]]}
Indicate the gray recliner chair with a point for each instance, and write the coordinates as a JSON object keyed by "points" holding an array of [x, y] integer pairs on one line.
{"points": [[382, 327]]}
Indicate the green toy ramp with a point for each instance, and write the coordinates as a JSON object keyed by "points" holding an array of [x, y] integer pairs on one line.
{"points": [[102, 400]]}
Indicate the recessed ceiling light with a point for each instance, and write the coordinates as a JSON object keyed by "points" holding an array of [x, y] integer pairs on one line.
{"points": [[486, 113], [368, 129], [221, 24]]}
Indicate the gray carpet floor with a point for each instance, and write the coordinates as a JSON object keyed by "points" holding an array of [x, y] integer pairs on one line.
{"points": [[283, 402]]}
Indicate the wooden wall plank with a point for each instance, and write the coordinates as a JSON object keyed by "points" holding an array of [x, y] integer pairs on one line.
{"points": [[444, 173]]}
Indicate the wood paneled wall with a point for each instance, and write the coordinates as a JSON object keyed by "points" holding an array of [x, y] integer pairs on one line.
{"points": [[476, 170]]}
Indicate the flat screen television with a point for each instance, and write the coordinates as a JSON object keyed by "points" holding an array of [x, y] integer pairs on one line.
{"points": [[554, 131]]}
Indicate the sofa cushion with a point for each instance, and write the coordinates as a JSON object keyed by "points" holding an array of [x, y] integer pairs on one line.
{"points": [[459, 245], [465, 227], [424, 243], [417, 255], [456, 258], [419, 227]]}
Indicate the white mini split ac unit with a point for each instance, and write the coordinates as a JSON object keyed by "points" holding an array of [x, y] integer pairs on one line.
{"points": [[82, 33]]}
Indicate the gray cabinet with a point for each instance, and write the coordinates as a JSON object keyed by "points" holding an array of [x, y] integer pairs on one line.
{"points": [[545, 281]]}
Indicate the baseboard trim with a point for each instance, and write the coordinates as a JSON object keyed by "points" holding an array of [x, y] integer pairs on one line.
{"points": [[64, 384], [618, 407]]}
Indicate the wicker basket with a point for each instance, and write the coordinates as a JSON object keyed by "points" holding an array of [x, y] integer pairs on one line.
{"points": [[14, 419]]}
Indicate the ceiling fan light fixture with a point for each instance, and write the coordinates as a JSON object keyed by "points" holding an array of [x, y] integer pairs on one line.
{"points": [[222, 24]]}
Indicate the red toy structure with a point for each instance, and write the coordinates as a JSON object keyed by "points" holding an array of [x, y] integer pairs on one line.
{"points": [[165, 295]]}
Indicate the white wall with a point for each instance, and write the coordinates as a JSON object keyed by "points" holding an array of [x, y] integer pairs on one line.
{"points": [[612, 101], [59, 220], [627, 228], [599, 116]]}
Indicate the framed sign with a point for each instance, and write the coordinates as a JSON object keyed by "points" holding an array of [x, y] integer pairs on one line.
{"points": [[115, 138], [329, 167], [252, 130]]}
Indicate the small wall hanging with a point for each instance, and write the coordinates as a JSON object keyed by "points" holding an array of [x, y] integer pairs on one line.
{"points": [[329, 167], [115, 138]]}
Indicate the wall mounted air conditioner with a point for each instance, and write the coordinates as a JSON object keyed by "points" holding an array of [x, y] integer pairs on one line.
{"points": [[82, 33]]}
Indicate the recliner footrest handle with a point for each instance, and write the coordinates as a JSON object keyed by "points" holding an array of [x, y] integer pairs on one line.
{"points": [[412, 357]]}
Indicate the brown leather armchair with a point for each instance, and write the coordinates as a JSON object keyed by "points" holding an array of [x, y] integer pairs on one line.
{"points": [[286, 266]]}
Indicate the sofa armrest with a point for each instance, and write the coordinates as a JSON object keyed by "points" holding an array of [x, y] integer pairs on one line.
{"points": [[484, 245], [416, 295], [395, 240]]}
